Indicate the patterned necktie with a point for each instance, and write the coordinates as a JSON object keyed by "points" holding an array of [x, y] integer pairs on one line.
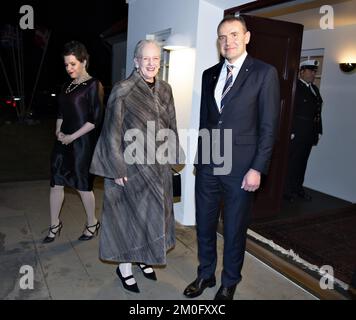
{"points": [[227, 86]]}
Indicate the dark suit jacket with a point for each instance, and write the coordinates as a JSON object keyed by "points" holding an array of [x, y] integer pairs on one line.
{"points": [[251, 112], [307, 124]]}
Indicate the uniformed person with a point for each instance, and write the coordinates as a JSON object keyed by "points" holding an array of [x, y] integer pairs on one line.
{"points": [[306, 130]]}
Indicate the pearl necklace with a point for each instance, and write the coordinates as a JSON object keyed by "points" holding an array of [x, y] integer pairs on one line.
{"points": [[76, 84]]}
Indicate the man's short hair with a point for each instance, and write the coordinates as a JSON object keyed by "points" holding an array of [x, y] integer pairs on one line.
{"points": [[232, 19]]}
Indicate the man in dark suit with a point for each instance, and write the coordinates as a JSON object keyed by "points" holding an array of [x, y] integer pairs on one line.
{"points": [[240, 101], [306, 130]]}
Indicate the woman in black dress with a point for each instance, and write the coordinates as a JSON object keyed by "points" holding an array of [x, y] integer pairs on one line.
{"points": [[78, 125]]}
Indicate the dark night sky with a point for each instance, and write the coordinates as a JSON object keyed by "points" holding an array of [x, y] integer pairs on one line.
{"points": [[67, 20]]}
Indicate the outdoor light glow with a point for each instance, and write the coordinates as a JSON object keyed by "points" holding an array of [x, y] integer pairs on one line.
{"points": [[177, 42], [172, 47]]}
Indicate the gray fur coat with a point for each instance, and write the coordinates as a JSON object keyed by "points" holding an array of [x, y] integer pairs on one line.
{"points": [[137, 220]]}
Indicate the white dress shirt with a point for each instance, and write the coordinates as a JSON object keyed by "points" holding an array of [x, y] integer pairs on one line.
{"points": [[222, 78]]}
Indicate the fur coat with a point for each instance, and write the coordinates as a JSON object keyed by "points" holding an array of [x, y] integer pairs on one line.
{"points": [[137, 221]]}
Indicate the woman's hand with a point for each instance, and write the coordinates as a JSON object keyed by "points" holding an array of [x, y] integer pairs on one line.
{"points": [[60, 135], [66, 139], [121, 181]]}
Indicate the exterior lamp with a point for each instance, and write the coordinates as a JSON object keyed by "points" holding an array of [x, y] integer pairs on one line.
{"points": [[347, 67]]}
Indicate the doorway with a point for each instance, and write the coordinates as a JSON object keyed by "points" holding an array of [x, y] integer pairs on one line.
{"points": [[330, 191]]}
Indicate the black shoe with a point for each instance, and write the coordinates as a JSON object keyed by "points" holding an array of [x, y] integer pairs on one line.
{"points": [[302, 194], [130, 287], [225, 293], [51, 228], [197, 287], [148, 275], [94, 233]]}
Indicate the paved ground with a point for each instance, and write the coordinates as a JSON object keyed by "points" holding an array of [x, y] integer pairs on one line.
{"points": [[70, 269]]}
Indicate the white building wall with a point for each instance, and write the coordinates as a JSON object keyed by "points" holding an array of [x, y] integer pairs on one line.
{"points": [[207, 55], [150, 16]]}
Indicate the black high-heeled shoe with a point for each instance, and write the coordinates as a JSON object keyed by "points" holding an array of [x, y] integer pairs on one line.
{"points": [[50, 230], [130, 287], [148, 275], [94, 233]]}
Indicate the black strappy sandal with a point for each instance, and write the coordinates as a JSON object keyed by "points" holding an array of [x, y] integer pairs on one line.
{"points": [[51, 228], [94, 233]]}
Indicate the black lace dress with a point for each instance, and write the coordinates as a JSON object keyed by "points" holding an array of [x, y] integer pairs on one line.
{"points": [[70, 163]]}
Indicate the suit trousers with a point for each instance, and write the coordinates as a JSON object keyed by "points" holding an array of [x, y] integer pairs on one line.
{"points": [[209, 191]]}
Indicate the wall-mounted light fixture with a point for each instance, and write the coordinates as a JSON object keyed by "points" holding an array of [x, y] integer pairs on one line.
{"points": [[177, 41], [347, 66]]}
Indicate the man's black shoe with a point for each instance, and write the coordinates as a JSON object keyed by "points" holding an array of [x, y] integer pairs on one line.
{"points": [[225, 293], [197, 287]]}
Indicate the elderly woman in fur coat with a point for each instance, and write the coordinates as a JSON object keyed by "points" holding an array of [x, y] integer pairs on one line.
{"points": [[135, 151]]}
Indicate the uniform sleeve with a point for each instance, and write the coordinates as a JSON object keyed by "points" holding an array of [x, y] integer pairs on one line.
{"points": [[320, 124]]}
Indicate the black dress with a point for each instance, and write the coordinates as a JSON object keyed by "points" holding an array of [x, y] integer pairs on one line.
{"points": [[70, 163]]}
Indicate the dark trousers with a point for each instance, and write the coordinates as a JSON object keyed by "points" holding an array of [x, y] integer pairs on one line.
{"points": [[299, 152], [209, 191]]}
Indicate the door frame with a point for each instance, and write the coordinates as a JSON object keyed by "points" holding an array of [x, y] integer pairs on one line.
{"points": [[254, 5]]}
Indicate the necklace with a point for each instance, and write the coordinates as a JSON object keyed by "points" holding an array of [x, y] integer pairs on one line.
{"points": [[76, 82]]}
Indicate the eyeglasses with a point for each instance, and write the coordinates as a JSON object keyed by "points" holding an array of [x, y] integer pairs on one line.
{"points": [[153, 60]]}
